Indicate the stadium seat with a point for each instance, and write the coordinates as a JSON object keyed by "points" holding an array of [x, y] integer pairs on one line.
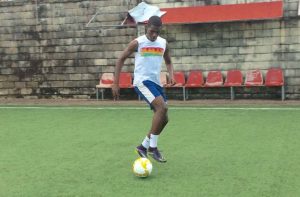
{"points": [[254, 78], [179, 78], [106, 81], [194, 80], [180, 82], [234, 78], [125, 80], [214, 79], [275, 77]]}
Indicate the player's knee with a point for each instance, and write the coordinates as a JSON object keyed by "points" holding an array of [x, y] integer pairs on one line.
{"points": [[160, 107], [163, 109]]}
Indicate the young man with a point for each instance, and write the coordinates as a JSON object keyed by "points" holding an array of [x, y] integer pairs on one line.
{"points": [[150, 50]]}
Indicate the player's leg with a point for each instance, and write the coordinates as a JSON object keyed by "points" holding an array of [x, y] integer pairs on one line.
{"points": [[159, 121], [153, 95], [160, 116]]}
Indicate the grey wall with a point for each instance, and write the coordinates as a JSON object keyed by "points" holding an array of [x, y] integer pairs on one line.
{"points": [[46, 50]]}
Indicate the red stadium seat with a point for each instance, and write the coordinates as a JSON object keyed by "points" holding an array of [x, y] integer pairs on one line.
{"points": [[254, 78], [180, 82], [214, 79], [105, 82], [179, 78], [233, 79], [194, 80], [125, 80], [275, 77]]}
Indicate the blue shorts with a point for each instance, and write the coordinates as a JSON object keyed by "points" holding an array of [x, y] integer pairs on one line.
{"points": [[149, 90]]}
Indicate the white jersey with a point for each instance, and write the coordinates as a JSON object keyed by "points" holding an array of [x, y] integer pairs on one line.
{"points": [[148, 60]]}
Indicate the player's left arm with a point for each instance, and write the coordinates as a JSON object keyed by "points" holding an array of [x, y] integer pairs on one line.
{"points": [[169, 65]]}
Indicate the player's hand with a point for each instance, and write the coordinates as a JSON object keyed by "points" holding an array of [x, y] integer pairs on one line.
{"points": [[115, 91], [172, 81]]}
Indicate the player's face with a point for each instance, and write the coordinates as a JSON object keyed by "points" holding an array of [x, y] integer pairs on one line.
{"points": [[153, 32]]}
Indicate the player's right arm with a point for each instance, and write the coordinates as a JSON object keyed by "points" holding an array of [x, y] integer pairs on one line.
{"points": [[131, 48]]}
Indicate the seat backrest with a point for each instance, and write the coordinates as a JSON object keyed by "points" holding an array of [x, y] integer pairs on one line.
{"points": [[274, 77], [214, 79], [254, 78], [179, 78], [106, 80], [234, 78], [163, 78], [195, 79], [125, 80]]}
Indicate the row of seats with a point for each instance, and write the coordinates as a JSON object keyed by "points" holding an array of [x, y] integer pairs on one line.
{"points": [[195, 79]]}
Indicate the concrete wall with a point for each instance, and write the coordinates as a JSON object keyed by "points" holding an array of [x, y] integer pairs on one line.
{"points": [[46, 50]]}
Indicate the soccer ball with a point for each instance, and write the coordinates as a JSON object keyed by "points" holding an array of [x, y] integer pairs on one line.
{"points": [[142, 167]]}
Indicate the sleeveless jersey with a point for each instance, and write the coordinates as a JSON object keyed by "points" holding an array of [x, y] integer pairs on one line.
{"points": [[148, 60]]}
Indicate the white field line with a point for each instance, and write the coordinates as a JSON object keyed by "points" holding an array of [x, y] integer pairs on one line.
{"points": [[147, 108]]}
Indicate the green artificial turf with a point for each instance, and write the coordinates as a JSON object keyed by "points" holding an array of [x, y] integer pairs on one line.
{"points": [[53, 151]]}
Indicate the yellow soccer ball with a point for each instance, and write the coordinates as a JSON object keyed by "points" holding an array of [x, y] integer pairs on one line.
{"points": [[142, 167]]}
